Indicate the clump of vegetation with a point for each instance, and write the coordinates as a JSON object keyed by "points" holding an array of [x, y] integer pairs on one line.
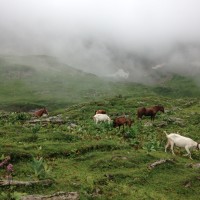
{"points": [[40, 168], [11, 194]]}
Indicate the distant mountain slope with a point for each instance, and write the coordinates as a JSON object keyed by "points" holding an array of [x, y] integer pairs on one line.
{"points": [[44, 81], [39, 63], [179, 86], [28, 82]]}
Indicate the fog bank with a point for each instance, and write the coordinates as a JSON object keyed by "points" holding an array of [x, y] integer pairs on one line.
{"points": [[103, 37]]}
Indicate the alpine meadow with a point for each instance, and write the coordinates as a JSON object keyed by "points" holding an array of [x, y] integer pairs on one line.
{"points": [[66, 155], [99, 100]]}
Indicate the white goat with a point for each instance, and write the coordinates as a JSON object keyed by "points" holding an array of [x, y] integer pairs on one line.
{"points": [[180, 141], [101, 118]]}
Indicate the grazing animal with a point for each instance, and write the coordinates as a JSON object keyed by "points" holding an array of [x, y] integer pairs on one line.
{"points": [[149, 111], [100, 112], [40, 112], [180, 141], [120, 121], [101, 118]]}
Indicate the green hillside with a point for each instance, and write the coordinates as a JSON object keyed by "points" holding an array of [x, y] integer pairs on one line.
{"points": [[67, 152], [179, 86], [28, 82], [99, 161], [43, 81]]}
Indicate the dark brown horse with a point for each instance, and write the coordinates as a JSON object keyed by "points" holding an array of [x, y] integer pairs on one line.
{"points": [[40, 112], [100, 112], [121, 121], [149, 111]]}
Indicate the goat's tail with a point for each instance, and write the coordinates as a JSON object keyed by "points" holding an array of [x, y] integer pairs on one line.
{"points": [[165, 133]]}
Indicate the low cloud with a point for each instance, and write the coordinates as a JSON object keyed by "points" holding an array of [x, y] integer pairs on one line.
{"points": [[103, 37]]}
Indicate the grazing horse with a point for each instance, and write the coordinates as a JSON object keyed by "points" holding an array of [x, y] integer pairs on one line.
{"points": [[40, 112], [149, 111], [100, 112], [120, 121]]}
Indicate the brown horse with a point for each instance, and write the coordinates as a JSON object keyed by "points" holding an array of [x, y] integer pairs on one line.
{"points": [[149, 111], [121, 121], [100, 112], [40, 112]]}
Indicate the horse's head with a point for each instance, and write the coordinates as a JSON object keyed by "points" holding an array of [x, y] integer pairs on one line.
{"points": [[161, 108], [45, 111], [100, 112]]}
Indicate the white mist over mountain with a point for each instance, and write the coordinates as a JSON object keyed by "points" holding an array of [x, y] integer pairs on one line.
{"points": [[106, 36]]}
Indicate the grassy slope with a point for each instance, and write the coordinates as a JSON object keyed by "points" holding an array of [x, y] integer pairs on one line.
{"points": [[96, 160], [103, 163], [179, 86], [46, 82], [33, 81]]}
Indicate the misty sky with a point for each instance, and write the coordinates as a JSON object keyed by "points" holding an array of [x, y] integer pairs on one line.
{"points": [[104, 35]]}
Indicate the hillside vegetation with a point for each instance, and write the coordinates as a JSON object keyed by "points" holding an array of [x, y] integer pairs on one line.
{"points": [[100, 162], [29, 82], [95, 160]]}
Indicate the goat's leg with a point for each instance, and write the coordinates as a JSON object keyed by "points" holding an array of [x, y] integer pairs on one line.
{"points": [[167, 145], [188, 152], [172, 147]]}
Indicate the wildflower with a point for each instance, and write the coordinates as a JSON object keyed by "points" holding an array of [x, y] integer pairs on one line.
{"points": [[4, 161], [10, 168]]}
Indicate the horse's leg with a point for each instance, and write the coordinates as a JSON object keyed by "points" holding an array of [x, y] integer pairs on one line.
{"points": [[139, 116]]}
